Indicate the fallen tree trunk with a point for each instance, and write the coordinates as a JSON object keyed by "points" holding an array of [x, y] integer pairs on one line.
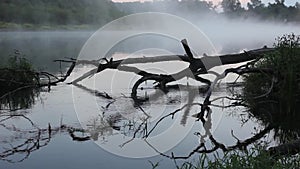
{"points": [[197, 66], [206, 62], [217, 60]]}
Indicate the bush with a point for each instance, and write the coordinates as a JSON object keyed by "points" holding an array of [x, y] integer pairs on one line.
{"points": [[17, 72], [17, 83], [280, 91]]}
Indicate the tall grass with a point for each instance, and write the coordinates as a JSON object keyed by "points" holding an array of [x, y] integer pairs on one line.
{"points": [[255, 159], [285, 82], [17, 73]]}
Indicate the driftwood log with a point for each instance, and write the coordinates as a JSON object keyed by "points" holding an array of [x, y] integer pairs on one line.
{"points": [[197, 66]]}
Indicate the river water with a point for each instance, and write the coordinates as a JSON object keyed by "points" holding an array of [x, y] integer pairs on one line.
{"points": [[116, 127]]}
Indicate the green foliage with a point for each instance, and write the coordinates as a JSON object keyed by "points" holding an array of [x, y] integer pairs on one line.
{"points": [[276, 11], [17, 72], [230, 6], [255, 4], [287, 63], [255, 158], [274, 99], [285, 83], [39, 14], [58, 12]]}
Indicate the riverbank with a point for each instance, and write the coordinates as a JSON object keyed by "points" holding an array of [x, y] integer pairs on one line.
{"points": [[8, 26]]}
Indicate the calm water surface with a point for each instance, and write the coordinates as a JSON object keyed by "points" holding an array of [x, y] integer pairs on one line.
{"points": [[116, 126]]}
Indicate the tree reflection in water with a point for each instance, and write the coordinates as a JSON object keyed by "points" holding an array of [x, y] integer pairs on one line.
{"points": [[286, 127], [19, 143]]}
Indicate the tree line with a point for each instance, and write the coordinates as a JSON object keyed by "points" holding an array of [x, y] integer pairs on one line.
{"points": [[58, 11], [273, 11], [99, 12], [276, 10]]}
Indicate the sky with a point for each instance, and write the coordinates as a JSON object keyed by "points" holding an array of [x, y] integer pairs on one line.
{"points": [[287, 2]]}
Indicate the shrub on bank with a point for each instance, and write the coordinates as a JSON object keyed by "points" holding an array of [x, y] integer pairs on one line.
{"points": [[278, 93]]}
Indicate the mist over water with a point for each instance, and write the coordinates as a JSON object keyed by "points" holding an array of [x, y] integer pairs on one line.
{"points": [[41, 48], [229, 35], [145, 36], [226, 35]]}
